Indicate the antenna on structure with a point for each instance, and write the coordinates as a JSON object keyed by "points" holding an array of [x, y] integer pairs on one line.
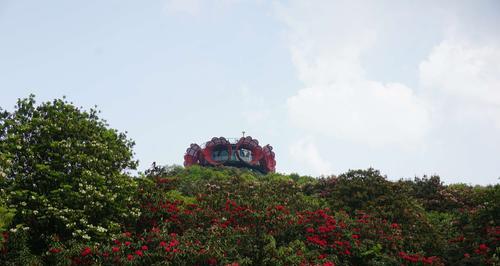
{"points": [[243, 132]]}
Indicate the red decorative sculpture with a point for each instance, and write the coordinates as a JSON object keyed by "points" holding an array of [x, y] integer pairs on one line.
{"points": [[245, 152]]}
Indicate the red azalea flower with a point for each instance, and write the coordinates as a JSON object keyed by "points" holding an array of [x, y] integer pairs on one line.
{"points": [[429, 260], [138, 253], [115, 249], [328, 263], [483, 247], [116, 242], [86, 251], [5, 236], [162, 180], [127, 243], [54, 250], [413, 258], [174, 243], [144, 247], [316, 240], [130, 257], [280, 207], [163, 244], [355, 236], [466, 255], [212, 261]]}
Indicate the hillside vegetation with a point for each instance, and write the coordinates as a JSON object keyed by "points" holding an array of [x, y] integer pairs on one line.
{"points": [[68, 198]]}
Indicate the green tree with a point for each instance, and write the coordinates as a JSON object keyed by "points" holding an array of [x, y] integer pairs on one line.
{"points": [[66, 170]]}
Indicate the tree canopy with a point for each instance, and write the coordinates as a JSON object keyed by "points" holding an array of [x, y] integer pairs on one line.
{"points": [[66, 169]]}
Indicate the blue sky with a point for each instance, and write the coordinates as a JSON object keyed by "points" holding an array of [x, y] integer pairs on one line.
{"points": [[409, 88]]}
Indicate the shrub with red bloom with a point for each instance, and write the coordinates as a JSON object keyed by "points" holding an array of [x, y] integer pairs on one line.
{"points": [[173, 243], [163, 180], [5, 236], [317, 240], [212, 261], [86, 251], [280, 207], [227, 225], [55, 250]]}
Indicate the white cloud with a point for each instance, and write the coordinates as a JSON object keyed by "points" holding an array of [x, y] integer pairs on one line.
{"points": [[444, 105], [467, 74], [306, 153], [362, 111], [327, 42]]}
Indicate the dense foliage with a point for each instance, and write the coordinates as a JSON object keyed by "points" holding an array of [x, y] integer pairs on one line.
{"points": [[63, 170], [67, 199]]}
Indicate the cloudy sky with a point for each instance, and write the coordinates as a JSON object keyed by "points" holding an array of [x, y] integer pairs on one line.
{"points": [[407, 87]]}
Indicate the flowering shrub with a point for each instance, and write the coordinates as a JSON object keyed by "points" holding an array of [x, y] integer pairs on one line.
{"points": [[231, 219]]}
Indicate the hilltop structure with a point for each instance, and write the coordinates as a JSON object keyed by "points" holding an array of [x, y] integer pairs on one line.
{"points": [[244, 152]]}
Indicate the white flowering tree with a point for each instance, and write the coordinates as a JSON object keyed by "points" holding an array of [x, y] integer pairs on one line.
{"points": [[65, 172]]}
